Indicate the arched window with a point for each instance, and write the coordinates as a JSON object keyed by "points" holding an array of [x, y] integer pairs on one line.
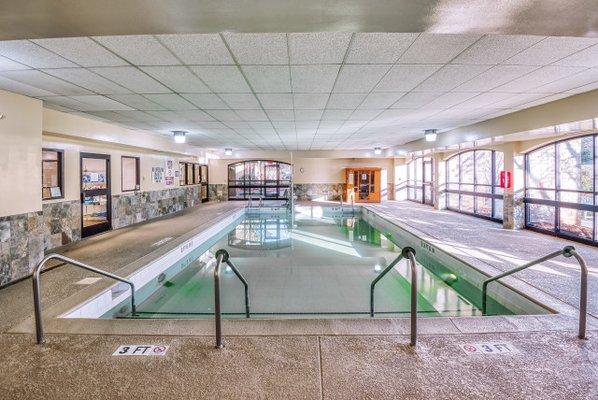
{"points": [[472, 183], [266, 179], [419, 180], [560, 188]]}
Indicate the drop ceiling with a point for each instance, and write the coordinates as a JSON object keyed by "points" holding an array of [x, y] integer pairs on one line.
{"points": [[298, 91]]}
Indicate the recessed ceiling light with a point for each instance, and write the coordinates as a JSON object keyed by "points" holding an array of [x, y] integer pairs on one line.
{"points": [[179, 136], [377, 150], [431, 135], [228, 151]]}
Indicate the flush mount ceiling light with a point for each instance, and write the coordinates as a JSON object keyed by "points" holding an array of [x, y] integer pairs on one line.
{"points": [[377, 150], [179, 136], [431, 135], [228, 151]]}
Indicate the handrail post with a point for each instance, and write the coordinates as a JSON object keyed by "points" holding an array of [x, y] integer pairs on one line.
{"points": [[217, 311], [36, 280], [380, 276], [410, 253], [244, 282]]}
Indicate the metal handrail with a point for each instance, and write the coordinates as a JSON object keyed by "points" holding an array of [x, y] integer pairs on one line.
{"points": [[567, 251], [222, 256], [35, 277], [408, 253]]}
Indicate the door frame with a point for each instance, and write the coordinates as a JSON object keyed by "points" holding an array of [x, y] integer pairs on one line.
{"points": [[95, 229]]}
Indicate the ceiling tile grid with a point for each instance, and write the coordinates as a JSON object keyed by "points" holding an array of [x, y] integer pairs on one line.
{"points": [[298, 90]]}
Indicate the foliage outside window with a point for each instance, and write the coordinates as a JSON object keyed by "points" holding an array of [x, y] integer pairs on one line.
{"points": [[255, 179], [52, 182], [472, 183], [560, 188], [130, 173]]}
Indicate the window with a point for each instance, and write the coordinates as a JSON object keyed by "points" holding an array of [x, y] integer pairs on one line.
{"points": [[130, 173], [182, 174], [472, 183], [191, 173], [52, 182], [259, 179], [560, 188], [419, 180]]}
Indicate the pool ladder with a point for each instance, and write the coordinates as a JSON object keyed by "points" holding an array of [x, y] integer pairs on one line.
{"points": [[36, 279], [222, 256]]}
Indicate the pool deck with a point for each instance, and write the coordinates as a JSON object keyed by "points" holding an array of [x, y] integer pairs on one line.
{"points": [[335, 359]]}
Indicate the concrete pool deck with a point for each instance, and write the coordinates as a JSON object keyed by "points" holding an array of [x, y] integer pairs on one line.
{"points": [[334, 360]]}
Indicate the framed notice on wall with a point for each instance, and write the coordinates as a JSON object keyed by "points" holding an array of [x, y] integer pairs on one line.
{"points": [[157, 174], [169, 173]]}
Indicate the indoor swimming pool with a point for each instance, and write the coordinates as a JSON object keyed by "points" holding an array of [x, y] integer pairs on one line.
{"points": [[318, 263]]}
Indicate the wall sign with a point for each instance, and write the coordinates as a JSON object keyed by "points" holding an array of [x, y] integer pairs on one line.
{"points": [[506, 182], [141, 350], [489, 348], [157, 174], [169, 173]]}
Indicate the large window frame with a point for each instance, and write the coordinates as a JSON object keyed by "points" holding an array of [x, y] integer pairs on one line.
{"points": [[137, 174], [419, 189], [59, 161], [268, 185], [492, 191], [531, 200], [192, 174]]}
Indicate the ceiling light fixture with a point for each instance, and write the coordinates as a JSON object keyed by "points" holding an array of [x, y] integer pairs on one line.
{"points": [[431, 135], [228, 151], [179, 136], [377, 150]]}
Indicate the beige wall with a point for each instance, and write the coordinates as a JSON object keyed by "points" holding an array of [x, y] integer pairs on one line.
{"points": [[20, 155]]}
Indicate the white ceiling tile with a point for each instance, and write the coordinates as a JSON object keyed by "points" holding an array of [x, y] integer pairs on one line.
{"points": [[318, 47], [483, 100], [310, 100], [87, 79], [200, 48], [32, 55], [138, 49], [573, 81], [313, 78], [196, 116], [135, 116], [403, 78], [546, 99], [308, 115], [336, 115], [364, 114], [83, 51], [22, 88], [132, 78], [447, 100], [252, 115], [258, 48], [345, 100], [45, 82], [245, 101], [268, 78], [537, 78], [177, 78], [276, 101], [65, 101], [359, 78], [494, 49], [584, 58], [380, 100], [435, 48], [378, 48], [171, 101], [495, 76], [207, 101], [518, 99], [281, 115], [136, 101], [449, 77], [225, 115], [9, 65], [100, 103], [222, 79], [550, 50], [416, 99], [584, 88]]}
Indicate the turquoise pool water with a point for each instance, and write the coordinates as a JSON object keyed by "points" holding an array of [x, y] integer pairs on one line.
{"points": [[320, 267]]}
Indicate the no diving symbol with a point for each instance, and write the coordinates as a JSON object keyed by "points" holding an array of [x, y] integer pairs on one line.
{"points": [[468, 348], [159, 349]]}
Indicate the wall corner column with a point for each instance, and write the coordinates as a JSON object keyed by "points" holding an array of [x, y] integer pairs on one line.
{"points": [[439, 182]]}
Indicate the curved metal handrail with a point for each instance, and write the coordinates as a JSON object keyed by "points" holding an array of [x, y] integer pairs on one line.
{"points": [[408, 253], [222, 256], [35, 277], [567, 251]]}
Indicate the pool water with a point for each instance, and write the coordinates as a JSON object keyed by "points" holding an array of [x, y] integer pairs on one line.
{"points": [[320, 267]]}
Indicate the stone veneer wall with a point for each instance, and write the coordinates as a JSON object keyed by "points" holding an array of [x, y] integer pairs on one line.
{"points": [[25, 237], [218, 192], [131, 208], [313, 191]]}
